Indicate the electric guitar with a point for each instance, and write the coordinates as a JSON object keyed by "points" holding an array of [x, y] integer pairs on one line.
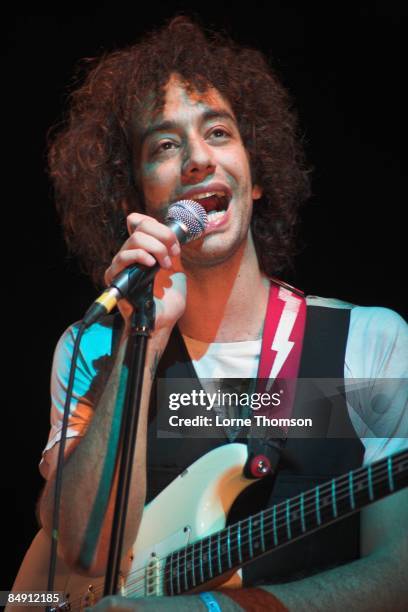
{"points": [[183, 544]]}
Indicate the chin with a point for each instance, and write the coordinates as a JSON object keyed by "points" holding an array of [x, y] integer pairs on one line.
{"points": [[209, 253]]}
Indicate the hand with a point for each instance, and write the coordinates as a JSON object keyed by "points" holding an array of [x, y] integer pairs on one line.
{"points": [[149, 242]]}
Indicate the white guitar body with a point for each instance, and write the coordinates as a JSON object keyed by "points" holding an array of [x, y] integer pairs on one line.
{"points": [[193, 506]]}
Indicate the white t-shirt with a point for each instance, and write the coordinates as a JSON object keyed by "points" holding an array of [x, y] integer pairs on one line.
{"points": [[377, 348]]}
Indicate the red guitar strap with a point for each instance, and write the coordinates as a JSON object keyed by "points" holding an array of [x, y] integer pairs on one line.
{"points": [[282, 343], [278, 371]]}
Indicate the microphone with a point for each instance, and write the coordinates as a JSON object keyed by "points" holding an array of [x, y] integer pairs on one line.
{"points": [[188, 220]]}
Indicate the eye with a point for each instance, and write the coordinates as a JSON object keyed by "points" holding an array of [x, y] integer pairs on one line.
{"points": [[165, 146], [220, 132]]}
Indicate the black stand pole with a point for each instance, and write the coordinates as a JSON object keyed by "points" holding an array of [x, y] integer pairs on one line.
{"points": [[142, 324]]}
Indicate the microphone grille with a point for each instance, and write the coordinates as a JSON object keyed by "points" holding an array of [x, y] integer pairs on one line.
{"points": [[192, 214]]}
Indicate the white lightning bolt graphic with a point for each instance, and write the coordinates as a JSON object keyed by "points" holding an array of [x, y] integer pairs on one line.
{"points": [[281, 343]]}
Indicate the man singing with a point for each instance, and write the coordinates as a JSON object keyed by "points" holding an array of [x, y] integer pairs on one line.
{"points": [[185, 115]]}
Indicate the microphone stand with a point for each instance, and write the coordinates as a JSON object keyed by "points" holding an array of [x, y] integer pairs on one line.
{"points": [[142, 324]]}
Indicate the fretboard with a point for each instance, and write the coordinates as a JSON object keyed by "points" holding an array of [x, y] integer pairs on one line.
{"points": [[238, 544]]}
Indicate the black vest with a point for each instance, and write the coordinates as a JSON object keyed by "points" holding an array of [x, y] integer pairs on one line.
{"points": [[316, 460]]}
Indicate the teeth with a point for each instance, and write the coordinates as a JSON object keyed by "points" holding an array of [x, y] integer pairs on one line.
{"points": [[201, 196], [213, 215]]}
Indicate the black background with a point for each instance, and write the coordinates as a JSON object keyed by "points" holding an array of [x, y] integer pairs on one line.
{"points": [[345, 65]]}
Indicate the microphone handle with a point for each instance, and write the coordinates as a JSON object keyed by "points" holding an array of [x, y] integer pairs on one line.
{"points": [[131, 279]]}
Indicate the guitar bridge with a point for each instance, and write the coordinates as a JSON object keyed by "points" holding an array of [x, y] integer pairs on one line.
{"points": [[153, 576]]}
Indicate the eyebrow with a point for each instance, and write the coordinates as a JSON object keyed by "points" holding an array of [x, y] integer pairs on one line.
{"points": [[173, 125]]}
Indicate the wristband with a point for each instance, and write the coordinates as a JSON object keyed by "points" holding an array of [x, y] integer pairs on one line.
{"points": [[210, 601], [255, 600]]}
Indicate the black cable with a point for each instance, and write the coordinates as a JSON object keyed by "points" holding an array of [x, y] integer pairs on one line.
{"points": [[60, 463]]}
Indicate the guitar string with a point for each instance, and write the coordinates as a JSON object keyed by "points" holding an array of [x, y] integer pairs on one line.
{"points": [[256, 531], [129, 593], [278, 525], [266, 532]]}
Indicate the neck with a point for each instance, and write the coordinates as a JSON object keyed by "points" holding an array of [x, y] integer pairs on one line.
{"points": [[226, 302]]}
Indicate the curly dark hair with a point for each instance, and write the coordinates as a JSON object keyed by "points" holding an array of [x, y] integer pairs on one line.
{"points": [[91, 159]]}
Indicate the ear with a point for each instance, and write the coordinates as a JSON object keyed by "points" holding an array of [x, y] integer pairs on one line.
{"points": [[257, 192]]}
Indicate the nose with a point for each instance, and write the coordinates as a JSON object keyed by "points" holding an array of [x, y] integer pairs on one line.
{"points": [[198, 162]]}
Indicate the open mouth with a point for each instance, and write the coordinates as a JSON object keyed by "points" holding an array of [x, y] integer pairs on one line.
{"points": [[215, 203]]}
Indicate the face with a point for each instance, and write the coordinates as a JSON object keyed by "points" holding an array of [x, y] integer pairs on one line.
{"points": [[193, 150]]}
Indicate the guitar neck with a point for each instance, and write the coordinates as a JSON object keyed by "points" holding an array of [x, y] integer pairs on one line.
{"points": [[238, 544]]}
